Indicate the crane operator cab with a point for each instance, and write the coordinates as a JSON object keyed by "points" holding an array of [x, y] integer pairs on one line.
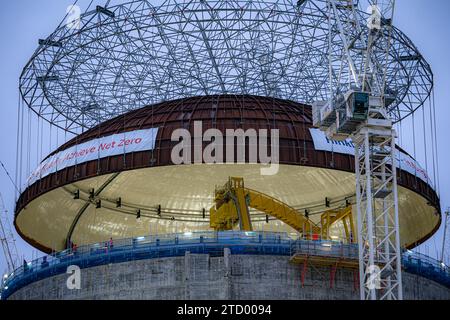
{"points": [[346, 113], [352, 112]]}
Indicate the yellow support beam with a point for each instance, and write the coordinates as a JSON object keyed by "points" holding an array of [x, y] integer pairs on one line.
{"points": [[224, 218], [241, 203], [232, 203], [282, 211], [232, 207], [331, 217]]}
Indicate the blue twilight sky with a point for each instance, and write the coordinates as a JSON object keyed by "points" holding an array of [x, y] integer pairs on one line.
{"points": [[23, 22]]}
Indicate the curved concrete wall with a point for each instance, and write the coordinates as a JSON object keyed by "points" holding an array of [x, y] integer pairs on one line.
{"points": [[199, 276]]}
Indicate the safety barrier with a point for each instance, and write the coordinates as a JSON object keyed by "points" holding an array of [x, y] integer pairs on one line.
{"points": [[212, 243]]}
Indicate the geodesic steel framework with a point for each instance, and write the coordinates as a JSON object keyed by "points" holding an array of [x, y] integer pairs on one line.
{"points": [[129, 55]]}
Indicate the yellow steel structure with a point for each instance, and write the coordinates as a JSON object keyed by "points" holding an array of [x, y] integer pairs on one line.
{"points": [[331, 217], [232, 202]]}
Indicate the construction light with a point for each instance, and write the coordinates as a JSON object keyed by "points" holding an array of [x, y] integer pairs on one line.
{"points": [[47, 78], [414, 57], [50, 43], [105, 11]]}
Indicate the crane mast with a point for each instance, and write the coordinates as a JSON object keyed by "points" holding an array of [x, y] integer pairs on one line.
{"points": [[7, 239], [358, 109]]}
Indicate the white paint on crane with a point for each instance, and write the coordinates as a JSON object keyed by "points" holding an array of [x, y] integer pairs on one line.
{"points": [[404, 161]]}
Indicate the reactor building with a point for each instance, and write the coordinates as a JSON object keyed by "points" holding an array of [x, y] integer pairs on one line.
{"points": [[187, 165]]}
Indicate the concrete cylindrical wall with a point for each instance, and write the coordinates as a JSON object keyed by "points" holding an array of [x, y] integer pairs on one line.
{"points": [[200, 276]]}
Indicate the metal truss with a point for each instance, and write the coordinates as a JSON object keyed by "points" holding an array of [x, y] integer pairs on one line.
{"points": [[126, 56], [377, 210], [360, 53], [364, 63], [7, 239]]}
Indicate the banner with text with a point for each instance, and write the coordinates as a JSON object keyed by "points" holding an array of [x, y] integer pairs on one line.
{"points": [[404, 161], [121, 143]]}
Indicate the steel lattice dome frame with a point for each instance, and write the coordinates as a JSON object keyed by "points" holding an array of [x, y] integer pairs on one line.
{"points": [[130, 55]]}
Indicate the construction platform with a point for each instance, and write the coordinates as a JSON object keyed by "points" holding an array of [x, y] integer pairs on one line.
{"points": [[214, 265]]}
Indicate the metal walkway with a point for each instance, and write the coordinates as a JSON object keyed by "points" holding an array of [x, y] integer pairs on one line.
{"points": [[212, 243]]}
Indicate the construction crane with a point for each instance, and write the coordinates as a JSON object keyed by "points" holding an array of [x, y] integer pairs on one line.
{"points": [[358, 109], [7, 239], [233, 200]]}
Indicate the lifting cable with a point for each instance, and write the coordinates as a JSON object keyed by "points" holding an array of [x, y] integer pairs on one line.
{"points": [[28, 145], [41, 146], [37, 142], [433, 152], [56, 147], [18, 137], [425, 141], [414, 147], [400, 135], [436, 143], [124, 115]]}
